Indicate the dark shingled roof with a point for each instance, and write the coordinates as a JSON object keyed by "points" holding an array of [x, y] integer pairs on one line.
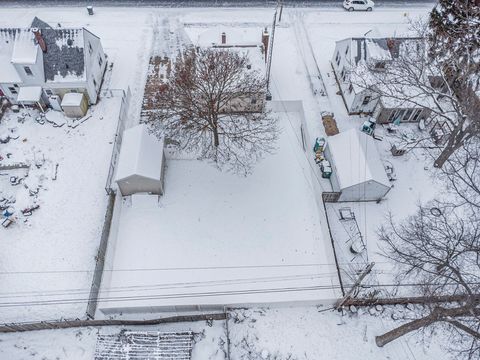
{"points": [[65, 50]]}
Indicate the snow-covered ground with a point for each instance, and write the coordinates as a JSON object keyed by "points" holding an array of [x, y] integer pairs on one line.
{"points": [[220, 239], [54, 253], [303, 332], [80, 344]]}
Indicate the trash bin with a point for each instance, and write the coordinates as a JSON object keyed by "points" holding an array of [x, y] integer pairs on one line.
{"points": [[90, 10]]}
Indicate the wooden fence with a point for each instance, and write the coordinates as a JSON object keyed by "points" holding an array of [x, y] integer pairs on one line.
{"points": [[100, 259], [66, 324]]}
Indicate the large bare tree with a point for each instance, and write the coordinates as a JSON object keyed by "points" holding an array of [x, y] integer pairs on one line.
{"points": [[438, 72], [439, 249], [212, 104]]}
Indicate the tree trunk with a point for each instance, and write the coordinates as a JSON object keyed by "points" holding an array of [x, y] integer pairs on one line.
{"points": [[443, 157], [448, 150], [216, 140], [404, 329]]}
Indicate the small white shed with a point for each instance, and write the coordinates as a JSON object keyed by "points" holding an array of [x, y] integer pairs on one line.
{"points": [[141, 163], [357, 171], [74, 105]]}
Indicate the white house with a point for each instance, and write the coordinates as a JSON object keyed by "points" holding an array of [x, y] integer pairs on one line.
{"points": [[141, 163], [354, 54], [357, 171], [59, 60]]}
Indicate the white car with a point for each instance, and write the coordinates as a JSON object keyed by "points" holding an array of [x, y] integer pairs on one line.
{"points": [[352, 5]]}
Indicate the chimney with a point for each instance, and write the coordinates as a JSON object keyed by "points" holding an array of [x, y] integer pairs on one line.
{"points": [[224, 38], [39, 39], [265, 40]]}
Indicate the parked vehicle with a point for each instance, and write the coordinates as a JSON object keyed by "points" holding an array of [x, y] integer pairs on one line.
{"points": [[351, 5]]}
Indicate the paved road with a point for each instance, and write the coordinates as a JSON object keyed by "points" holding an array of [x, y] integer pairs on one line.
{"points": [[205, 3]]}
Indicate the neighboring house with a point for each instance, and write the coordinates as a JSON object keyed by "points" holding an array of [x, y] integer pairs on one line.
{"points": [[248, 42], [58, 60], [353, 53]]}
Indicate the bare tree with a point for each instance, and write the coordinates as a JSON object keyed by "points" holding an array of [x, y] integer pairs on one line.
{"points": [[213, 105], [462, 175], [439, 248], [435, 73]]}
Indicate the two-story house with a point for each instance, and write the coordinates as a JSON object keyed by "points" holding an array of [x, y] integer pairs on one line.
{"points": [[46, 62], [371, 55]]}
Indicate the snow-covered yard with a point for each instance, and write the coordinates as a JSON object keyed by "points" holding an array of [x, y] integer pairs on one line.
{"points": [[52, 252], [206, 218], [216, 238], [51, 257]]}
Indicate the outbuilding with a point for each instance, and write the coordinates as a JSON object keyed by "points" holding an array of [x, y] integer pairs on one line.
{"points": [[31, 95], [141, 163], [358, 173], [74, 105]]}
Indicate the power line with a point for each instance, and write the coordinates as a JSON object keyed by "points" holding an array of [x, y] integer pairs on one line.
{"points": [[167, 285], [175, 268]]}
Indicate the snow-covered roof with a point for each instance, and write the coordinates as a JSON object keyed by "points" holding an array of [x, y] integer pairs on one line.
{"points": [[29, 94], [64, 59], [376, 50], [234, 36], [141, 154], [24, 49], [72, 99], [356, 159]]}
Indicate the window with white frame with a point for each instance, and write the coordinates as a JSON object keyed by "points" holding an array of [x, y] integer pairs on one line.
{"points": [[12, 89], [28, 71], [90, 48], [366, 100], [100, 61]]}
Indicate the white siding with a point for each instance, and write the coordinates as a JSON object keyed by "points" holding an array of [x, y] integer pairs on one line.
{"points": [[94, 69], [38, 75]]}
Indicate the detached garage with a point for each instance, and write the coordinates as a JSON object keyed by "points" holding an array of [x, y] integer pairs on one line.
{"points": [[357, 171], [141, 163]]}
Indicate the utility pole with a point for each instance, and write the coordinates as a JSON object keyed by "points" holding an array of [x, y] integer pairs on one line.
{"points": [[280, 3], [348, 295], [270, 53]]}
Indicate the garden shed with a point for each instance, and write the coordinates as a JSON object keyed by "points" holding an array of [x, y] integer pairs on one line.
{"points": [[74, 105], [141, 162], [358, 173]]}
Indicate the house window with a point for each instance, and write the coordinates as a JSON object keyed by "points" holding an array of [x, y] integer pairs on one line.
{"points": [[13, 90], [392, 116], [90, 49], [416, 114], [28, 71], [407, 115], [366, 100], [94, 83], [350, 88], [380, 65], [253, 101], [100, 61], [342, 74], [48, 92], [338, 58], [346, 51]]}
